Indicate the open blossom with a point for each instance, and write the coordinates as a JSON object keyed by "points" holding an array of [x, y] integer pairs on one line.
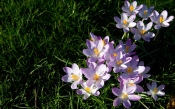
{"points": [[96, 74], [131, 8], [154, 90], [125, 22], [161, 20], [74, 75], [143, 31], [124, 95], [146, 12], [88, 90]]}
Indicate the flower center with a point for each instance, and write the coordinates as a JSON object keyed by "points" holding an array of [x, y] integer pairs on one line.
{"points": [[124, 96], [143, 32], [119, 62], [145, 12], [91, 39], [155, 90], [96, 77], [114, 54], [74, 77], [131, 8], [161, 19], [127, 49], [125, 22], [129, 69], [88, 89], [96, 51]]}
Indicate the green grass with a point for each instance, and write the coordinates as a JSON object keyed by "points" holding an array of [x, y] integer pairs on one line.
{"points": [[38, 38]]}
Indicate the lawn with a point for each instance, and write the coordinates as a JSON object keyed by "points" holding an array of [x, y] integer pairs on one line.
{"points": [[38, 38]]}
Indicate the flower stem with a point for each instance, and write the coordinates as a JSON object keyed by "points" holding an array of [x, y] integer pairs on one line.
{"points": [[156, 35], [143, 104], [124, 35]]}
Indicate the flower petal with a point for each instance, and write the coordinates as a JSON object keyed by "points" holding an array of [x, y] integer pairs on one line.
{"points": [[132, 24], [149, 86], [165, 24], [160, 93], [116, 91], [169, 19], [148, 26], [75, 68], [157, 26], [74, 85], [161, 87], [117, 20], [154, 96], [164, 14], [135, 31], [68, 70], [131, 18], [137, 37], [116, 102], [133, 97], [127, 104]]}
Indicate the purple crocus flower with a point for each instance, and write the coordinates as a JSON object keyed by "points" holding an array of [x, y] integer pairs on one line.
{"points": [[88, 90], [131, 8], [124, 95], [96, 74], [154, 90], [161, 20], [119, 63], [145, 71], [143, 31], [125, 22], [74, 75], [131, 82], [146, 12]]}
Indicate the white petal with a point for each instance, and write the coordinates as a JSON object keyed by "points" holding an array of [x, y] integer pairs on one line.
{"points": [[164, 14], [132, 24], [169, 19]]}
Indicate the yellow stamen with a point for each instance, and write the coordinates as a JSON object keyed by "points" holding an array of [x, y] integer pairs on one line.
{"points": [[131, 8], [125, 22], [88, 89], [130, 84], [161, 19], [74, 77], [96, 51], [119, 62], [155, 90], [145, 12], [124, 95], [104, 43], [114, 54], [143, 32], [127, 49], [129, 69], [96, 77]]}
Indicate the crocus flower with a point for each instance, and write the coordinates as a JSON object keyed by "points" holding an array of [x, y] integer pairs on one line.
{"points": [[131, 8], [74, 75], [124, 95], [88, 90], [146, 12], [161, 20], [96, 74], [125, 22], [146, 70], [143, 31], [154, 90]]}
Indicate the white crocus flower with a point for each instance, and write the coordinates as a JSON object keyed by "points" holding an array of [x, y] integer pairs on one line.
{"points": [[125, 22]]}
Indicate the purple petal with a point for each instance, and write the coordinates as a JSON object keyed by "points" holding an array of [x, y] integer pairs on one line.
{"points": [[130, 90], [106, 77], [127, 104], [140, 25], [126, 30], [124, 17], [149, 86], [116, 102], [154, 96], [154, 84], [139, 89], [101, 69], [135, 31], [116, 91], [68, 70], [148, 26], [74, 85], [127, 4], [119, 26], [131, 18], [157, 26], [161, 87], [169, 19], [65, 78], [80, 91], [88, 52], [88, 72], [137, 36], [117, 20], [134, 97], [124, 9]]}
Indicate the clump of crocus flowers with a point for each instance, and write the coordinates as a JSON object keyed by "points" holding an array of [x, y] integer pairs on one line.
{"points": [[104, 57]]}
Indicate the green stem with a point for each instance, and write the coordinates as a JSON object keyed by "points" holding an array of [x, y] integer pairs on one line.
{"points": [[143, 104], [124, 35], [156, 35]]}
